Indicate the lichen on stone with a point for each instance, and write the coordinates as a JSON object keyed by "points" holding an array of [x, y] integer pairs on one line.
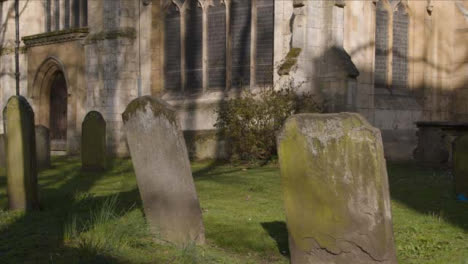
{"points": [[289, 61], [157, 106]]}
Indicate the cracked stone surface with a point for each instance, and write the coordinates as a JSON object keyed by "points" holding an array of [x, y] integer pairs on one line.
{"points": [[336, 191]]}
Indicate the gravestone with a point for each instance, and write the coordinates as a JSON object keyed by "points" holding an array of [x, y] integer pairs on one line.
{"points": [[336, 192], [20, 155], [93, 142], [42, 147], [2, 151], [163, 172], [460, 165]]}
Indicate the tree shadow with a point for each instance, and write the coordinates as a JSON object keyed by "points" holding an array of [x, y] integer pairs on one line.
{"points": [[39, 236], [427, 190], [279, 232]]}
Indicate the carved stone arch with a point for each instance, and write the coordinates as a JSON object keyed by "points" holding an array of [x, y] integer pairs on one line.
{"points": [[40, 95], [40, 91], [402, 5]]}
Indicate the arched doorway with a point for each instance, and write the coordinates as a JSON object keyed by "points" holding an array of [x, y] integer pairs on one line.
{"points": [[58, 112]]}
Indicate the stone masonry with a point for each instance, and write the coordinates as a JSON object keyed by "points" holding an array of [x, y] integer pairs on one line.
{"points": [[112, 51]]}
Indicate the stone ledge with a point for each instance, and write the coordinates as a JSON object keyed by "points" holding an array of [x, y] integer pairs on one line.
{"points": [[55, 37]]}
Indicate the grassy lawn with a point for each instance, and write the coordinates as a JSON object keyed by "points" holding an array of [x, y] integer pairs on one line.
{"points": [[97, 218]]}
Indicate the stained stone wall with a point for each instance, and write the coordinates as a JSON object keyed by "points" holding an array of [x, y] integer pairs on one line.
{"points": [[323, 67], [123, 55], [425, 92], [113, 64]]}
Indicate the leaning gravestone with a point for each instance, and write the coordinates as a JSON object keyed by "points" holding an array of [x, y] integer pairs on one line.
{"points": [[162, 168], [460, 165], [336, 190], [93, 142], [42, 147], [20, 154]]}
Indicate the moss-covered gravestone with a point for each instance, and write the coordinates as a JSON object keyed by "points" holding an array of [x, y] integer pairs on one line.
{"points": [[460, 165], [336, 193], [42, 147], [163, 172], [93, 142], [20, 155]]}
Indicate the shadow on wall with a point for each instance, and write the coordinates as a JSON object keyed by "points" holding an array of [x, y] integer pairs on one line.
{"points": [[427, 97]]}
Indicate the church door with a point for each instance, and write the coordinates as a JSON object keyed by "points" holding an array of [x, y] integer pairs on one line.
{"points": [[58, 113]]}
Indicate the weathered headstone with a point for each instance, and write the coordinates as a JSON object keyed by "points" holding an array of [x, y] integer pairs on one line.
{"points": [[42, 147], [20, 155], [163, 172], [336, 190], [460, 165], [2, 151], [93, 142]]}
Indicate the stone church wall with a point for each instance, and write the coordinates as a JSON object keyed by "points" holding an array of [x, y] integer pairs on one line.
{"points": [[418, 72]]}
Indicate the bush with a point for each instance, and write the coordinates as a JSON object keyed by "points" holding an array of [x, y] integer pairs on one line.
{"points": [[250, 122]]}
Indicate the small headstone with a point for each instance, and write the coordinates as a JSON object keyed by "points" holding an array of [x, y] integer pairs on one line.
{"points": [[163, 172], [42, 147], [2, 151], [460, 165], [20, 155], [336, 190], [93, 142]]}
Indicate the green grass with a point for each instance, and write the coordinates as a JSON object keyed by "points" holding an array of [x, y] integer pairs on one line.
{"points": [[97, 218]]}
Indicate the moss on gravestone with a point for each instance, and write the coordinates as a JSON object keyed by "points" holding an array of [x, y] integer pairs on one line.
{"points": [[153, 104], [93, 142], [335, 189]]}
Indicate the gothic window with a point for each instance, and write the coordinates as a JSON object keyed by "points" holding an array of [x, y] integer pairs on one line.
{"points": [[57, 15], [391, 45], [64, 14], [194, 47], [265, 42], [67, 14], [217, 45], [381, 45], [172, 65], [208, 44], [400, 48], [48, 12], [240, 29], [76, 13], [84, 11]]}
